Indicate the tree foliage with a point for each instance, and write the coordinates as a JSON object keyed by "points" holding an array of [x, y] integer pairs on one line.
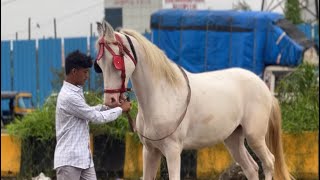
{"points": [[299, 99], [292, 11]]}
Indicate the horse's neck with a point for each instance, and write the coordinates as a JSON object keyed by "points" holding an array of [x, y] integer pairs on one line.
{"points": [[145, 86], [153, 93]]}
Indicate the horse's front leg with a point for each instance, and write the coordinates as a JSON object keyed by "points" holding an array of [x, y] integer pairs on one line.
{"points": [[151, 162], [173, 157]]}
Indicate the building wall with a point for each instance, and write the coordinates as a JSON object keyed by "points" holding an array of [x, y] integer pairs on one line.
{"points": [[135, 13]]}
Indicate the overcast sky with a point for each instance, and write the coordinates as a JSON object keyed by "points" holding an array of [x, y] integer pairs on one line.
{"points": [[73, 17]]}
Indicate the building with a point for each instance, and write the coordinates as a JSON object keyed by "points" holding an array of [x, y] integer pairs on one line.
{"points": [[133, 14]]}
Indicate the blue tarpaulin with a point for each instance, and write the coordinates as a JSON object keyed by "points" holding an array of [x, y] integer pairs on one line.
{"points": [[205, 40]]}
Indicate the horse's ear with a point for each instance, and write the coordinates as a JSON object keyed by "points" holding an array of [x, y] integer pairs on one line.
{"points": [[108, 29], [100, 29]]}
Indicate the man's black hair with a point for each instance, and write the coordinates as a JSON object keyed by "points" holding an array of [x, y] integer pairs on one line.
{"points": [[77, 60]]}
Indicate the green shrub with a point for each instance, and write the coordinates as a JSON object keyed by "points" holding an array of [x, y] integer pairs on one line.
{"points": [[298, 93], [117, 128], [37, 132], [40, 124]]}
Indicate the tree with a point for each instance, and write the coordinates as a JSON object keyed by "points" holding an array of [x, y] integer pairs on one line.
{"points": [[292, 11]]}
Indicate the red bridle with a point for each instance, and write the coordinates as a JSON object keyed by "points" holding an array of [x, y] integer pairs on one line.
{"points": [[118, 61]]}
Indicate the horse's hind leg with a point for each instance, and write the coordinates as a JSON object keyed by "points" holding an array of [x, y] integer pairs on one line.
{"points": [[260, 148], [255, 135], [235, 145], [151, 162]]}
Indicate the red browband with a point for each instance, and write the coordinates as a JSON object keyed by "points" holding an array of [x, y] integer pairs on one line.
{"points": [[118, 61]]}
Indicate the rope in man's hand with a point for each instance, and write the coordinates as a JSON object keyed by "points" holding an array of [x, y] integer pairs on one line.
{"points": [[131, 122]]}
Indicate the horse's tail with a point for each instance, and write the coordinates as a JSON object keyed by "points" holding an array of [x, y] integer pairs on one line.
{"points": [[274, 143]]}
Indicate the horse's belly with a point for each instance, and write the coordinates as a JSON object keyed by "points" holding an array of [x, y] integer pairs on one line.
{"points": [[213, 122], [205, 135]]}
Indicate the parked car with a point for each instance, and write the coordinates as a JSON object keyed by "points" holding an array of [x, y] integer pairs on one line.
{"points": [[15, 104]]}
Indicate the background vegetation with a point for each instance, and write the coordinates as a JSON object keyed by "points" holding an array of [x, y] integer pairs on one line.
{"points": [[298, 93], [292, 11]]}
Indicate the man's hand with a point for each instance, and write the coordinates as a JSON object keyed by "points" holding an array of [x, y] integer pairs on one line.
{"points": [[126, 106]]}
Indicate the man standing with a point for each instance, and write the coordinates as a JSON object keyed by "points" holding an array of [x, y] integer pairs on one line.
{"points": [[72, 157]]}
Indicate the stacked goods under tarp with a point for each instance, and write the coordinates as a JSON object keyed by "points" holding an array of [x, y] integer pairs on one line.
{"points": [[204, 40]]}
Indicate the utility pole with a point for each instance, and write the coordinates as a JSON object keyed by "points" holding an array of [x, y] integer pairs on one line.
{"points": [[55, 27], [16, 35], [29, 27], [262, 5], [90, 29], [317, 9]]}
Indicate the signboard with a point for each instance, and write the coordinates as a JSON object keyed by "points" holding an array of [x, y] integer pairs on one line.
{"points": [[130, 2], [184, 4]]}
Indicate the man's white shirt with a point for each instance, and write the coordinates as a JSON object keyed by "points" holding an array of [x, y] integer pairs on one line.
{"points": [[72, 126]]}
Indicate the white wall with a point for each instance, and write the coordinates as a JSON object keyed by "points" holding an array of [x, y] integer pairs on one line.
{"points": [[136, 13]]}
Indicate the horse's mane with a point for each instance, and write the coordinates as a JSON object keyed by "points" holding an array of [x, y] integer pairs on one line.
{"points": [[160, 65]]}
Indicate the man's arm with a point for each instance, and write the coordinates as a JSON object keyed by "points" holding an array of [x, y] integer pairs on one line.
{"points": [[100, 107], [77, 106]]}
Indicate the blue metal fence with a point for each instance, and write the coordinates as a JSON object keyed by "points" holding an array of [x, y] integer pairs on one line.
{"points": [[306, 29], [49, 60], [93, 75], [78, 43], [5, 66], [316, 34], [72, 44], [5, 71], [25, 67]]}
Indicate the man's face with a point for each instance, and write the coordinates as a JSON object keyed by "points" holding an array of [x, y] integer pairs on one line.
{"points": [[81, 75]]}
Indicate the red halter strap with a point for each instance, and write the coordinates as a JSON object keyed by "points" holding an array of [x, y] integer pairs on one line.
{"points": [[102, 44], [118, 61], [125, 49]]}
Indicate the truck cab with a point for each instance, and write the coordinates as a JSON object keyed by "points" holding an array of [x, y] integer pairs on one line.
{"points": [[15, 104]]}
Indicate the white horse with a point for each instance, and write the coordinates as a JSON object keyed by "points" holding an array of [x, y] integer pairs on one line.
{"points": [[226, 105]]}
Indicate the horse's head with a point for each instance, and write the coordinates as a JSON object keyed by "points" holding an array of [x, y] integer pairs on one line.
{"points": [[115, 61]]}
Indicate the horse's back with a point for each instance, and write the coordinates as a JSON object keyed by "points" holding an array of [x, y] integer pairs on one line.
{"points": [[239, 78], [241, 84], [220, 101], [237, 73]]}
